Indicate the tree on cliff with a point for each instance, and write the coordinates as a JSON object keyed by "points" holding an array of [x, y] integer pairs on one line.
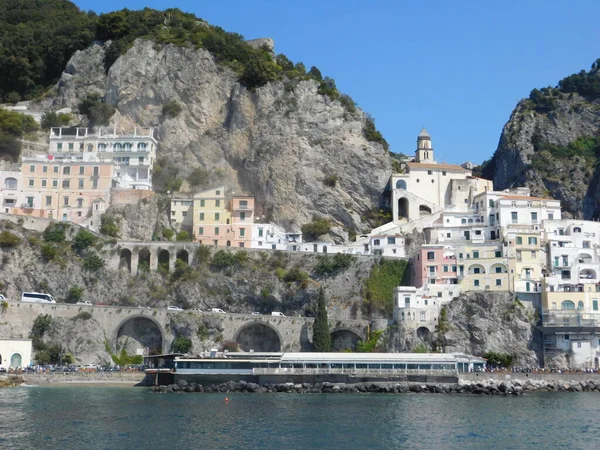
{"points": [[321, 336]]}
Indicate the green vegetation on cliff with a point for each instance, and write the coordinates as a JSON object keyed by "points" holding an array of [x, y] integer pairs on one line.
{"points": [[379, 287]]}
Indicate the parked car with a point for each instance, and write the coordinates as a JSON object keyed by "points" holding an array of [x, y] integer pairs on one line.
{"points": [[218, 310], [174, 308], [255, 313], [86, 302], [278, 314], [143, 307], [198, 310], [2, 297]]}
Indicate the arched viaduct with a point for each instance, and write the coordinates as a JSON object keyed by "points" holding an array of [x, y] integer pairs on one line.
{"points": [[155, 329]]}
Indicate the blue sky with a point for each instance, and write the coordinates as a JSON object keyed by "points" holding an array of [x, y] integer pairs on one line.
{"points": [[458, 67]]}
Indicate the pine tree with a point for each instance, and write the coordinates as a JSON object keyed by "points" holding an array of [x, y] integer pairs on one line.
{"points": [[321, 336]]}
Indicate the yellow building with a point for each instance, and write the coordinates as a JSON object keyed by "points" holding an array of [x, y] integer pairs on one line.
{"points": [[182, 213], [482, 267], [527, 259], [211, 219]]}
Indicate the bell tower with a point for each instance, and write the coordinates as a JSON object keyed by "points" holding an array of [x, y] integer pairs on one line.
{"points": [[424, 153]]}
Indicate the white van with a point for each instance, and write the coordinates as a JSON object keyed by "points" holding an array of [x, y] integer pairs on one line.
{"points": [[279, 314], [37, 297], [218, 310]]}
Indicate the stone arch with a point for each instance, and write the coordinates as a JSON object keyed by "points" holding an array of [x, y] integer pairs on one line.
{"points": [[401, 184], [164, 258], [424, 334], [139, 331], [498, 268], [344, 339], [403, 208], [143, 260], [259, 336], [476, 269], [183, 255], [125, 259], [588, 274], [424, 210]]}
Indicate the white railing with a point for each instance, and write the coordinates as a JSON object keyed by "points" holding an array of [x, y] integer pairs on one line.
{"points": [[352, 372]]}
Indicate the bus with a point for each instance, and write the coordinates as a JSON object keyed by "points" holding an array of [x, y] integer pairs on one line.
{"points": [[37, 297]]}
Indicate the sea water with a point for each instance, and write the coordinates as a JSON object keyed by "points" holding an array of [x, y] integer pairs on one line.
{"points": [[86, 417]]}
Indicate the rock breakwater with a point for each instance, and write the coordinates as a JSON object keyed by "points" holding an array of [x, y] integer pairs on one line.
{"points": [[484, 387]]}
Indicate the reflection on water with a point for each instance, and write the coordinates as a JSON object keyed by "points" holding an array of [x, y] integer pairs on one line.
{"points": [[109, 417]]}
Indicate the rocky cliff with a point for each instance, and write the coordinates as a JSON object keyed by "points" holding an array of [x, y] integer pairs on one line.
{"points": [[550, 144], [480, 322], [278, 142]]}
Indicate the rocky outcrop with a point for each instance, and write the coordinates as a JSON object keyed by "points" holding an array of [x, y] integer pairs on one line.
{"points": [[520, 159], [480, 322], [277, 143]]}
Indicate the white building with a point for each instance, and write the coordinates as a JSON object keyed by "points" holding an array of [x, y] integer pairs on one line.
{"points": [[134, 153], [274, 237], [182, 213], [11, 183], [419, 308], [15, 353]]}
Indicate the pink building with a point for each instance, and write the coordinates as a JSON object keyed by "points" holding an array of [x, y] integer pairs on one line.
{"points": [[434, 264]]}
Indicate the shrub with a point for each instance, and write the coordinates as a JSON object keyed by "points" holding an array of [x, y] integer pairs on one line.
{"points": [[167, 233], [379, 287], [51, 119], [83, 315], [10, 146], [181, 344], [295, 274], [499, 360], [48, 252], [84, 239], [372, 134], [9, 240], [318, 227], [371, 345], [108, 227], [202, 254], [280, 273], [327, 265], [55, 232], [198, 177], [222, 259], [182, 270], [97, 112], [241, 257], [92, 262], [75, 294], [171, 109], [330, 181], [183, 236]]}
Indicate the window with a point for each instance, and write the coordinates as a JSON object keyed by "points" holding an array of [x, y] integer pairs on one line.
{"points": [[80, 203], [216, 230], [443, 172], [44, 183], [391, 240], [422, 316], [534, 217], [54, 183], [241, 244], [67, 170], [429, 172], [514, 217], [586, 244], [101, 147], [81, 170], [48, 200], [463, 221], [217, 202], [217, 216], [579, 345], [576, 230], [550, 216], [141, 160], [32, 168], [498, 253], [80, 183], [90, 147], [184, 213], [446, 268], [201, 203], [519, 240], [498, 282], [201, 216], [534, 254], [59, 146], [31, 182], [201, 231], [448, 235], [66, 201], [71, 146], [567, 305], [432, 269], [532, 241], [55, 169], [595, 305], [498, 269], [242, 232], [476, 270], [242, 216], [376, 242], [30, 202], [406, 302], [430, 256], [95, 172], [475, 254], [453, 268], [460, 256], [66, 184], [476, 283], [94, 184], [218, 192], [491, 203]]}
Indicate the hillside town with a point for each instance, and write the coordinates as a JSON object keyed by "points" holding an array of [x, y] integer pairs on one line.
{"points": [[474, 238]]}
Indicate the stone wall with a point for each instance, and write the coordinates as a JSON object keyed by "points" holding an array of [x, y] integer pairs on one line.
{"points": [[129, 196]]}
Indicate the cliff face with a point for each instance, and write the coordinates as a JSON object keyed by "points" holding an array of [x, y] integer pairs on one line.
{"points": [[549, 150], [480, 322], [277, 143]]}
